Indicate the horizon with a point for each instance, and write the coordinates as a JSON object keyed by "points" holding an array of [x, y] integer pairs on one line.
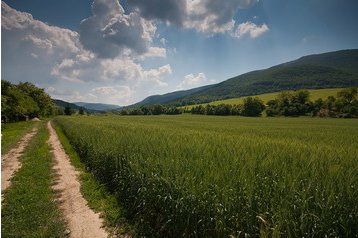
{"points": [[122, 52]]}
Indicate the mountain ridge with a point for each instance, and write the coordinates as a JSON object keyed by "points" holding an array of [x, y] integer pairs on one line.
{"points": [[326, 70]]}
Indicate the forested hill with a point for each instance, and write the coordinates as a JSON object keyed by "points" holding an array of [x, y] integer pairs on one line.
{"points": [[169, 97], [327, 70]]}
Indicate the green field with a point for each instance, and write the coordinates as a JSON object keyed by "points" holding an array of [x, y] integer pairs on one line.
{"points": [[314, 95], [207, 176], [29, 208], [11, 133]]}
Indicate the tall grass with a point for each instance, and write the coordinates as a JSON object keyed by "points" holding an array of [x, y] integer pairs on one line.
{"points": [[206, 176]]}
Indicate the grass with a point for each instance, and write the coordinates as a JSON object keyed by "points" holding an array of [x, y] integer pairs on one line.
{"points": [[97, 196], [11, 133], [208, 176], [314, 95], [29, 209]]}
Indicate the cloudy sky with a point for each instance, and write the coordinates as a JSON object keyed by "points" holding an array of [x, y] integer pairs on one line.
{"points": [[120, 52]]}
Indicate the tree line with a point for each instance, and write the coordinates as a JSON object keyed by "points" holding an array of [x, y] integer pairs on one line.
{"points": [[289, 103], [251, 107], [156, 109], [24, 101], [297, 103]]}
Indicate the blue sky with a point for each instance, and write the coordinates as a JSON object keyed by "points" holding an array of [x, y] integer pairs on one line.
{"points": [[121, 52]]}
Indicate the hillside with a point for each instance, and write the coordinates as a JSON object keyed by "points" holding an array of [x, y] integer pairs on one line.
{"points": [[328, 70], [62, 104], [97, 106], [314, 95], [168, 97]]}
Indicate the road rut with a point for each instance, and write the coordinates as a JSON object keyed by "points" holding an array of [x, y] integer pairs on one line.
{"points": [[10, 162], [82, 221]]}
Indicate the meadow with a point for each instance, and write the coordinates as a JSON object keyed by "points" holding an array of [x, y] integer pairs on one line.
{"points": [[314, 95], [208, 176]]}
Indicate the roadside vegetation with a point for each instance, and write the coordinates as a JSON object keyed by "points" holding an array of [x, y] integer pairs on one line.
{"points": [[11, 133], [96, 194], [29, 208], [190, 176], [24, 101]]}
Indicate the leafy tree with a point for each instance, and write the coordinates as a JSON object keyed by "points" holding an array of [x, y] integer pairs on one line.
{"points": [[348, 95], [68, 110], [15, 105], [157, 109], [124, 112], [252, 107], [81, 111], [45, 104]]}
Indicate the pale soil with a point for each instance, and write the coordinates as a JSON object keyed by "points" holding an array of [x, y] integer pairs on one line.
{"points": [[10, 162], [82, 221]]}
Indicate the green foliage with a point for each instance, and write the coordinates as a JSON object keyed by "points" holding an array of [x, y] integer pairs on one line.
{"points": [[11, 133], [42, 99], [266, 97], [288, 103], [156, 109], [24, 100], [29, 209], [68, 111], [97, 196], [297, 103], [251, 107], [200, 176]]}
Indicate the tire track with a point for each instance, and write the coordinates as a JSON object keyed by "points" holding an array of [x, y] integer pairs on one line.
{"points": [[10, 162], [82, 221]]}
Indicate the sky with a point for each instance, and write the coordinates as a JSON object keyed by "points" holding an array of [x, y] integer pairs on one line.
{"points": [[120, 52]]}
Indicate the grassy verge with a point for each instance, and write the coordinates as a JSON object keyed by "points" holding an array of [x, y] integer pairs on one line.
{"points": [[98, 198], [11, 133], [29, 209]]}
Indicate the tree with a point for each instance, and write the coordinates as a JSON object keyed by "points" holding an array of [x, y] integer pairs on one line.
{"points": [[68, 110], [15, 105], [252, 107], [45, 103], [81, 111], [348, 95], [157, 109]]}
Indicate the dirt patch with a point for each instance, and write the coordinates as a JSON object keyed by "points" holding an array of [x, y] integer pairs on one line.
{"points": [[10, 162], [82, 221]]}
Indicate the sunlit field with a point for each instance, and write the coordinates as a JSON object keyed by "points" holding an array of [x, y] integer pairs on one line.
{"points": [[212, 176]]}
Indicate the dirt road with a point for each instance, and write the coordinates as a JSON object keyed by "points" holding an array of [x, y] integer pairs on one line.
{"points": [[10, 162], [82, 221]]}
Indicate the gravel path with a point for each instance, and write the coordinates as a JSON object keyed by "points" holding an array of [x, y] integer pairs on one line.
{"points": [[10, 162], [82, 221]]}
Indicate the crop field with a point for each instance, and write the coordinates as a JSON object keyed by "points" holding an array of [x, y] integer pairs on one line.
{"points": [[314, 95], [203, 176]]}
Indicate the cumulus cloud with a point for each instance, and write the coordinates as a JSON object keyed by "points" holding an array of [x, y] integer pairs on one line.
{"points": [[207, 16], [170, 11], [54, 58], [191, 80], [251, 29], [110, 32], [111, 94]]}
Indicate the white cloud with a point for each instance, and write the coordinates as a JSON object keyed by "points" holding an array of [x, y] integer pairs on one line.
{"points": [[63, 63], [109, 31], [120, 94], [191, 80], [206, 16], [251, 29], [163, 41], [34, 55], [154, 52]]}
